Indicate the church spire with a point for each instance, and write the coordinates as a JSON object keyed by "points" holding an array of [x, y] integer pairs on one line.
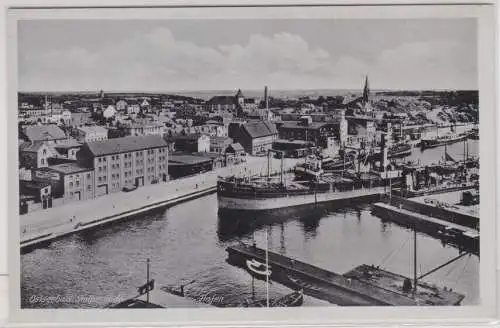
{"points": [[366, 91]]}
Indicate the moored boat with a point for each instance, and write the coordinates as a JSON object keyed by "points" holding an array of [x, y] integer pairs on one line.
{"points": [[442, 140]]}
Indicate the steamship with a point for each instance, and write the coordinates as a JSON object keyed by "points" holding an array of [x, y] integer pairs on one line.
{"points": [[315, 186], [442, 140]]}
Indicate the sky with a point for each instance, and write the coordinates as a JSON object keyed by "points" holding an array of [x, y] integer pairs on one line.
{"points": [[190, 55]]}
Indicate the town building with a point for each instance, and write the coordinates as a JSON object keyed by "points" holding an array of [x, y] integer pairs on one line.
{"points": [[143, 129], [34, 154], [91, 133], [307, 130], [124, 162], [219, 144], [34, 195], [50, 133], [256, 137], [235, 154], [109, 112], [133, 108], [193, 143], [121, 105], [66, 117], [69, 182], [79, 119], [68, 149], [213, 128], [226, 103]]}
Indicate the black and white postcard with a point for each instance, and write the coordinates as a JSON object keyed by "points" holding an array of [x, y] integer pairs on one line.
{"points": [[318, 162]]}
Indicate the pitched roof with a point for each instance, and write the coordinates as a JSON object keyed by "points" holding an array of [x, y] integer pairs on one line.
{"points": [[125, 144], [69, 168], [237, 147], [217, 139], [44, 132], [31, 147], [93, 128], [260, 129], [222, 100], [310, 126]]}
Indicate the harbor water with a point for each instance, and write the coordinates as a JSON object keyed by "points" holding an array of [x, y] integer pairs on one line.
{"points": [[186, 243]]}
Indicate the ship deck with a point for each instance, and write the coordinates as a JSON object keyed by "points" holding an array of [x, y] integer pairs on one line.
{"points": [[381, 288]]}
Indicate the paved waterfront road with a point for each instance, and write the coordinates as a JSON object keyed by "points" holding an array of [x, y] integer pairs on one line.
{"points": [[61, 218]]}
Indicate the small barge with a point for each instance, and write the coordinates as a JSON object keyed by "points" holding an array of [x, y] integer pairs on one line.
{"points": [[365, 285]]}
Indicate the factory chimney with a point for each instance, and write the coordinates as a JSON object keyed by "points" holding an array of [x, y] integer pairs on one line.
{"points": [[266, 97]]}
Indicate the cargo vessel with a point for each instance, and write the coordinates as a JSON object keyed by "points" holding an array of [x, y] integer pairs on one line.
{"points": [[269, 193], [442, 140]]}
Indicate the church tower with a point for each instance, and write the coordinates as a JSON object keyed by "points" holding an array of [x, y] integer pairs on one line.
{"points": [[366, 96], [366, 92], [240, 98]]}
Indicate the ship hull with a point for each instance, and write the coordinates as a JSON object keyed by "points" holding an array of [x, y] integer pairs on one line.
{"points": [[425, 144], [229, 202]]}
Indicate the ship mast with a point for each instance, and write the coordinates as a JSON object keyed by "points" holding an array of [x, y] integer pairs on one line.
{"points": [[267, 267], [147, 279], [465, 155], [414, 260], [268, 165]]}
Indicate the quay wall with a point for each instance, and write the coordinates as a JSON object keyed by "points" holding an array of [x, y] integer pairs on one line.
{"points": [[431, 226], [436, 212], [42, 227], [56, 232]]}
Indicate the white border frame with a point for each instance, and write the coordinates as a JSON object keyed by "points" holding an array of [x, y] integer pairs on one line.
{"points": [[484, 313]]}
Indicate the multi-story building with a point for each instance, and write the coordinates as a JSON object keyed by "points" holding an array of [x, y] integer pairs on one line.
{"points": [[79, 119], [133, 107], [143, 129], [193, 143], [69, 181], [34, 154], [219, 144], [121, 105], [255, 137], [124, 162], [91, 133], [307, 130]]}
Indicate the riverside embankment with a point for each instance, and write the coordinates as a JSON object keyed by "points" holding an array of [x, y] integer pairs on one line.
{"points": [[41, 227]]}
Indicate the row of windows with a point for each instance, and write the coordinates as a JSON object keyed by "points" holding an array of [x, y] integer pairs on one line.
{"points": [[128, 155], [70, 177], [115, 176]]}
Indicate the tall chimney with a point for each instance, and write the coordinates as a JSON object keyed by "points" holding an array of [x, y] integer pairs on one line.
{"points": [[266, 97]]}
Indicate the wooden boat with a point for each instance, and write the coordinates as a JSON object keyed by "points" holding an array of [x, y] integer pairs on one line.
{"points": [[263, 269], [258, 268], [290, 300]]}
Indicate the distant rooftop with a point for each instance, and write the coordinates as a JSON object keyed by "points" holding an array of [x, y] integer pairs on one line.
{"points": [[260, 129], [93, 128], [43, 132]]}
